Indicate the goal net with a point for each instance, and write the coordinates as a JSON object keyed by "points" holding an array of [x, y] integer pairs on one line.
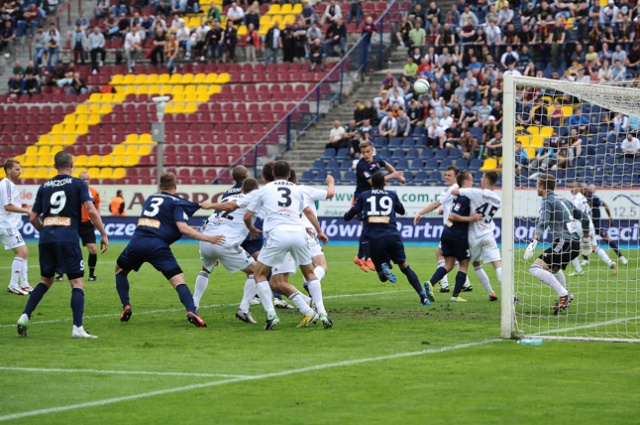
{"points": [[584, 135]]}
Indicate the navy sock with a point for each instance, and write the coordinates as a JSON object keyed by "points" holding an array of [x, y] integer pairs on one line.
{"points": [[276, 295], [185, 297], [77, 305], [366, 252], [35, 297], [122, 286], [461, 277], [438, 275], [614, 246], [382, 277], [360, 254], [93, 260], [412, 277], [586, 257]]}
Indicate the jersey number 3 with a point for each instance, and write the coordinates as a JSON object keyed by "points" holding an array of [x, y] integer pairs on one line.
{"points": [[155, 207], [285, 197]]}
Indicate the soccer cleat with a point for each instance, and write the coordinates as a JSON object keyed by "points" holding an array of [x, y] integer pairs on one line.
{"points": [[78, 332], [93, 278], [59, 278], [623, 260], [278, 303], [428, 290], [562, 303], [26, 288], [370, 265], [195, 320], [444, 289], [308, 320], [326, 321], [255, 301], [584, 262], [126, 314], [425, 302], [493, 297], [16, 290], [457, 300], [271, 323], [360, 263], [23, 325], [467, 288], [614, 267], [245, 317], [385, 269], [576, 273]]}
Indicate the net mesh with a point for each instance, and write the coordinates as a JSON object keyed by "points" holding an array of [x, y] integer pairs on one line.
{"points": [[585, 126]]}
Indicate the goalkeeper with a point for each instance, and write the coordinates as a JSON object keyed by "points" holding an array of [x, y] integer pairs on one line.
{"points": [[558, 215]]}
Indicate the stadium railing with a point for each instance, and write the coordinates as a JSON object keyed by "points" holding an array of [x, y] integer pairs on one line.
{"points": [[319, 99]]}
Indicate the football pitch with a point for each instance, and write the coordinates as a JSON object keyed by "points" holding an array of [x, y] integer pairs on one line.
{"points": [[387, 360]]}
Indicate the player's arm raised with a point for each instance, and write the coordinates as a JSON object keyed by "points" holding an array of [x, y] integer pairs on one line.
{"points": [[94, 215], [331, 190], [393, 174], [431, 207], [189, 231]]}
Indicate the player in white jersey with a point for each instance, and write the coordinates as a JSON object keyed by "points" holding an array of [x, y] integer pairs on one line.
{"points": [[446, 202], [581, 203], [281, 203], [11, 210], [482, 243], [229, 222], [311, 195]]}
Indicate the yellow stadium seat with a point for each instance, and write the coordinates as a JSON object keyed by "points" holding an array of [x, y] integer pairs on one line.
{"points": [[199, 78], [28, 173], [42, 173], [81, 129], [80, 161], [20, 159], [105, 173], [534, 130], [131, 138], [297, 9], [82, 109], [80, 119], [190, 89], [93, 119], [106, 98], [489, 164], [140, 79], [152, 79], [45, 139], [144, 150], [44, 150], [242, 31], [93, 161], [191, 108], [187, 78], [130, 150], [176, 79], [211, 78], [153, 89], [567, 111], [55, 150], [117, 80], [118, 98], [223, 78], [214, 89], [29, 161], [265, 21], [129, 79], [145, 139], [175, 108], [44, 161], [69, 129], [166, 89], [118, 150], [57, 129], [288, 19], [131, 89], [95, 98], [52, 172], [105, 109], [286, 9], [78, 170], [31, 151], [531, 152], [2, 173], [537, 141], [119, 173], [164, 78], [65, 140], [262, 31], [274, 9], [117, 160], [546, 131], [131, 161], [94, 172], [69, 119]]}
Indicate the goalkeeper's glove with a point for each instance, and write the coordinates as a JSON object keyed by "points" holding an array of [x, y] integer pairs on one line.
{"points": [[528, 253], [585, 246]]}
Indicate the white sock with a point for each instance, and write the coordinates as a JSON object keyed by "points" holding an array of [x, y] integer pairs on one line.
{"points": [[444, 283], [484, 279], [301, 305], [576, 264], [264, 291], [305, 298], [16, 268], [202, 281], [319, 272], [24, 273], [315, 289], [560, 276], [546, 277], [250, 291], [603, 256], [499, 273]]}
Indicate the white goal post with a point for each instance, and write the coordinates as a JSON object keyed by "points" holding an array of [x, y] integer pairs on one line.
{"points": [[606, 305]]}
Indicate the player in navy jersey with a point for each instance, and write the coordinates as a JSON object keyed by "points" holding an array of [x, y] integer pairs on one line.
{"points": [[163, 221], [455, 242], [59, 202], [378, 208], [600, 223], [366, 167]]}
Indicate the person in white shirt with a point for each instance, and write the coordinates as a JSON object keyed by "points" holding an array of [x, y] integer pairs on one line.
{"points": [[183, 35], [235, 14], [281, 204], [388, 126], [331, 14], [630, 146], [12, 208], [446, 120], [132, 47]]}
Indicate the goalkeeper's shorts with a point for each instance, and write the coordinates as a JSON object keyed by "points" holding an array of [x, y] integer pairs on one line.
{"points": [[561, 252]]}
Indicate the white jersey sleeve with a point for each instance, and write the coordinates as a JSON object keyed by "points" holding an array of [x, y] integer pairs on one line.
{"points": [[446, 200], [9, 195], [280, 204], [311, 195], [229, 224], [485, 202]]}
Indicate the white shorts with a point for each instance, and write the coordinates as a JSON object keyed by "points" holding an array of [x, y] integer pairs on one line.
{"points": [[288, 266], [234, 258], [11, 237], [314, 245], [282, 241], [485, 248]]}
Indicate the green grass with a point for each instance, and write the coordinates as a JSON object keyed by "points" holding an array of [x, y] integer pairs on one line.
{"points": [[294, 376]]}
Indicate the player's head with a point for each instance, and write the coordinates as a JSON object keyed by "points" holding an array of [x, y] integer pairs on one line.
{"points": [[119, 193], [239, 173], [12, 169], [293, 178], [84, 177], [546, 184], [267, 172], [377, 181], [590, 189], [489, 179], [249, 185], [464, 179], [281, 170], [366, 150], [450, 175], [63, 161], [168, 182], [575, 188]]}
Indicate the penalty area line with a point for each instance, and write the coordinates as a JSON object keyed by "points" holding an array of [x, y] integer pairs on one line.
{"points": [[120, 372], [287, 372]]}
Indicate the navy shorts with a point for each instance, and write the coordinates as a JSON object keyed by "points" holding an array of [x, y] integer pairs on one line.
{"points": [[252, 246], [600, 226], [457, 248], [87, 233], [386, 248], [62, 258], [152, 251], [561, 253]]}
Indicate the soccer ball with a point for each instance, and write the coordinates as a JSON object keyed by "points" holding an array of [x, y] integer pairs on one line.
{"points": [[421, 86]]}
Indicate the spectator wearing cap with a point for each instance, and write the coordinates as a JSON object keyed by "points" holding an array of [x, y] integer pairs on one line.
{"points": [[609, 15]]}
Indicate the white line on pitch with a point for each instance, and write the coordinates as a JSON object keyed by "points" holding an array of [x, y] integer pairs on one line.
{"points": [[593, 325], [173, 310], [248, 378], [120, 372]]}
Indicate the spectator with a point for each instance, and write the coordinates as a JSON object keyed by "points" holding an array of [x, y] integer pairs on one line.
{"points": [[300, 36], [417, 37], [30, 19], [383, 105], [78, 85], [494, 146], [102, 9], [368, 29], [403, 125], [80, 44], [351, 137], [252, 43], [312, 33], [544, 160], [619, 71], [53, 45], [359, 113], [630, 146], [370, 113], [171, 48], [230, 42], [335, 136], [132, 47], [252, 15], [620, 123], [415, 114], [436, 135], [331, 14], [355, 11], [117, 206], [213, 43], [121, 8], [157, 52], [388, 82], [579, 121], [273, 44], [15, 87], [336, 34], [469, 145], [403, 33], [31, 85], [522, 158], [183, 35], [288, 43], [82, 21], [316, 56], [235, 14], [214, 13], [388, 126], [309, 14]]}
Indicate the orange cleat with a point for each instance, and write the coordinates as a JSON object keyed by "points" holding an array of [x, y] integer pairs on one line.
{"points": [[370, 264], [360, 263]]}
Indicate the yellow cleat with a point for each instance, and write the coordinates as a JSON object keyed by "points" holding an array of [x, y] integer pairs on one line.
{"points": [[308, 320]]}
